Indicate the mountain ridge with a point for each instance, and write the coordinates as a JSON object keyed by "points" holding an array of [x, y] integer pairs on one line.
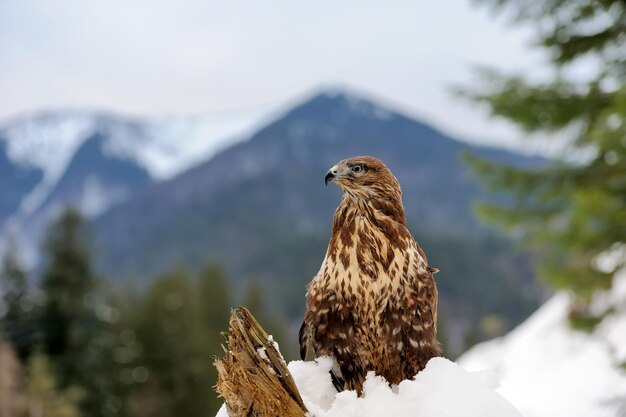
{"points": [[260, 209], [47, 143]]}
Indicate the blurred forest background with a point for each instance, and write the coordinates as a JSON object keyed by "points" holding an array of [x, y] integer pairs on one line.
{"points": [[122, 314]]}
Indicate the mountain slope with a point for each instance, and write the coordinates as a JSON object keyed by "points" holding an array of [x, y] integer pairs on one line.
{"points": [[95, 179], [16, 182], [95, 160], [260, 210]]}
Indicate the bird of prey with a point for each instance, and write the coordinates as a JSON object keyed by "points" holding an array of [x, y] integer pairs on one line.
{"points": [[373, 304]]}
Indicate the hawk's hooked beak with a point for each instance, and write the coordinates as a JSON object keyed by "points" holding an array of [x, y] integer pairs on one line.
{"points": [[331, 175], [335, 173]]}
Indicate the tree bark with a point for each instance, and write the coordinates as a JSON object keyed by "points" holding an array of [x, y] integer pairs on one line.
{"points": [[253, 377]]}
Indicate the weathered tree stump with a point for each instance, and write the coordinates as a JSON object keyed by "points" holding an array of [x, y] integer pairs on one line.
{"points": [[253, 377]]}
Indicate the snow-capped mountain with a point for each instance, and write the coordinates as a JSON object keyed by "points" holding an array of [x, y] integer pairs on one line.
{"points": [[260, 210], [159, 194], [548, 369], [95, 160], [164, 146]]}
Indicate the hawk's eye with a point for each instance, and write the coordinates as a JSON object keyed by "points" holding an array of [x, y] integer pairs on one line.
{"points": [[357, 168]]}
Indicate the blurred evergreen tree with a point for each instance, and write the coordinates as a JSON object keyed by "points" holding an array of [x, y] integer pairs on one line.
{"points": [[16, 323], [44, 396], [75, 338], [67, 283], [254, 300], [178, 325], [215, 302], [573, 209]]}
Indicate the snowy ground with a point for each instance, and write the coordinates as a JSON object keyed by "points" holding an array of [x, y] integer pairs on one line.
{"points": [[443, 389], [548, 369]]}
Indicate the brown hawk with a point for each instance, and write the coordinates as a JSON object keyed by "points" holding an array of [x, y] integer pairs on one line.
{"points": [[373, 304]]}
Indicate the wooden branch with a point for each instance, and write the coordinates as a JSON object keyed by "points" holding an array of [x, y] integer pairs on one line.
{"points": [[253, 377]]}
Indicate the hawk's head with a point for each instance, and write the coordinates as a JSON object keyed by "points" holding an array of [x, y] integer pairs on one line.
{"points": [[365, 177]]}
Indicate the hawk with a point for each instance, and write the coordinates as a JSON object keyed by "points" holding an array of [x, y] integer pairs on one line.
{"points": [[373, 304]]}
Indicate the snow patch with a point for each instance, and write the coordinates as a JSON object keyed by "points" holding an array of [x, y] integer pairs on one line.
{"points": [[270, 338], [263, 354], [442, 389], [97, 197], [48, 142], [548, 369], [367, 109], [314, 383], [176, 143]]}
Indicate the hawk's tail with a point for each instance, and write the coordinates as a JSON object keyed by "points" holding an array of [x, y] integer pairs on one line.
{"points": [[303, 338]]}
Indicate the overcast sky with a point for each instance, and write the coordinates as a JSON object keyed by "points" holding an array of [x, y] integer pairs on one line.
{"points": [[197, 56]]}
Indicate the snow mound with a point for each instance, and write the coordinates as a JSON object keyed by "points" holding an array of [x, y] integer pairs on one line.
{"points": [[442, 389], [548, 369]]}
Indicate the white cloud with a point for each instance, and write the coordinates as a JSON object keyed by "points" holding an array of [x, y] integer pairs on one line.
{"points": [[197, 56]]}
